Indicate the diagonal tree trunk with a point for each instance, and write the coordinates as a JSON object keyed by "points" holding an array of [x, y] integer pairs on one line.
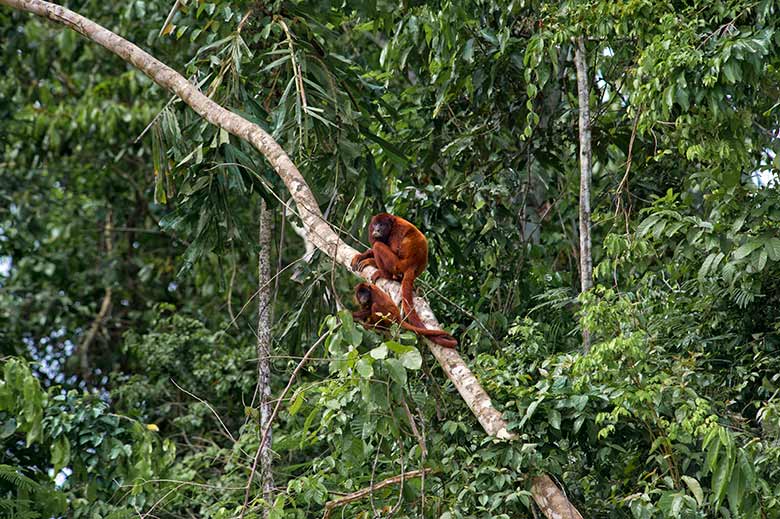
{"points": [[586, 170], [550, 498]]}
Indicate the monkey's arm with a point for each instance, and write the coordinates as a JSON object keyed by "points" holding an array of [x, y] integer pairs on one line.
{"points": [[358, 258], [361, 315]]}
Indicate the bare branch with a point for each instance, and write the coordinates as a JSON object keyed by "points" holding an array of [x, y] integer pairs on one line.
{"points": [[360, 494]]}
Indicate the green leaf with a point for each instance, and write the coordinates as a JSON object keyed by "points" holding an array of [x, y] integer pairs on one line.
{"points": [[396, 370], [277, 510], [60, 453], [398, 348], [647, 224], [380, 352], [736, 488], [760, 262], [296, 403], [746, 248], [713, 454], [732, 71], [555, 419], [578, 424], [468, 51], [8, 428], [364, 368], [695, 488], [772, 247], [676, 508], [412, 359], [705, 267], [721, 478]]}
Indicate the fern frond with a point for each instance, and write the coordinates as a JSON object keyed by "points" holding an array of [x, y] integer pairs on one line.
{"points": [[10, 474]]}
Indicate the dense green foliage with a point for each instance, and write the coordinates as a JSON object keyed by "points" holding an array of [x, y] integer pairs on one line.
{"points": [[128, 249]]}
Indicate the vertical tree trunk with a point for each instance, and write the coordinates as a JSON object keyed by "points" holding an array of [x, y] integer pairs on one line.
{"points": [[264, 350], [586, 169]]}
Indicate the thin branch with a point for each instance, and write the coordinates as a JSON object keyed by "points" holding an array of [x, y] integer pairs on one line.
{"points": [[230, 292], [623, 185], [271, 421], [196, 397], [415, 431], [360, 494], [397, 504]]}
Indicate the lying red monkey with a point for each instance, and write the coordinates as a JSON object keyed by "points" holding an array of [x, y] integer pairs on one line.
{"points": [[399, 251], [377, 310]]}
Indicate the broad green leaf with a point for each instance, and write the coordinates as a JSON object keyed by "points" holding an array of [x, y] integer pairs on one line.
{"points": [[746, 248], [695, 488], [677, 503], [364, 368], [713, 454], [398, 348], [296, 403], [736, 490], [8, 428], [721, 478], [647, 224], [705, 267], [412, 359], [555, 419], [60, 453], [380, 352], [396, 370], [772, 247]]}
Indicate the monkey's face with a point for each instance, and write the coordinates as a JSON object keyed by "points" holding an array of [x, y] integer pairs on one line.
{"points": [[363, 296], [380, 229]]}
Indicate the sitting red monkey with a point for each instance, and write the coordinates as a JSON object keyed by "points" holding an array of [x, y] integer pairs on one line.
{"points": [[377, 310], [399, 251]]}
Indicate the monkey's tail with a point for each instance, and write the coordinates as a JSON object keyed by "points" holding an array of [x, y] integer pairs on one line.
{"points": [[407, 298], [440, 337], [445, 341]]}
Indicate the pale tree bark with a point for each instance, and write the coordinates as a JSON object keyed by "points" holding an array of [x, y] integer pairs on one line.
{"points": [[318, 230], [586, 170], [264, 354]]}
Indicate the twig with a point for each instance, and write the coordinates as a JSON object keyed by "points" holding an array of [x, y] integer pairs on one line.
{"points": [[230, 293], [623, 185], [196, 397], [354, 496], [271, 421], [397, 504], [170, 16], [415, 431], [371, 481], [244, 20]]}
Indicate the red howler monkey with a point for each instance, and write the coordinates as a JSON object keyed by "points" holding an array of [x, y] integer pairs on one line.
{"points": [[378, 310], [399, 251]]}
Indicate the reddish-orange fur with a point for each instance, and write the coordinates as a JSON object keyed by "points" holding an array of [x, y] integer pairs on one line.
{"points": [[399, 251], [378, 310]]}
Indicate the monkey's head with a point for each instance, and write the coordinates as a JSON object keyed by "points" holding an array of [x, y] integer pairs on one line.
{"points": [[380, 227], [363, 294]]}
